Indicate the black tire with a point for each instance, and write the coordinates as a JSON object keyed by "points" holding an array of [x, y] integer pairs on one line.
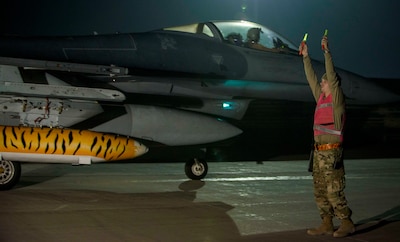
{"points": [[196, 169], [10, 172]]}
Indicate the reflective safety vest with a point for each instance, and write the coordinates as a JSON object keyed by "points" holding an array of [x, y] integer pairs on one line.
{"points": [[324, 122]]}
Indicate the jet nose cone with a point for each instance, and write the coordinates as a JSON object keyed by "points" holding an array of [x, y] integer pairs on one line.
{"points": [[370, 91], [140, 148], [380, 95]]}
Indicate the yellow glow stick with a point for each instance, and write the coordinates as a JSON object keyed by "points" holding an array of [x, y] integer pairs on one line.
{"points": [[325, 35], [303, 43], [305, 37]]}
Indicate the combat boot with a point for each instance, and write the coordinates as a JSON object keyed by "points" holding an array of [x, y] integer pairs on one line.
{"points": [[325, 228], [346, 228]]}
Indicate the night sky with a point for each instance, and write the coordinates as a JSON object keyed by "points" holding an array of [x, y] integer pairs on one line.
{"points": [[364, 36]]}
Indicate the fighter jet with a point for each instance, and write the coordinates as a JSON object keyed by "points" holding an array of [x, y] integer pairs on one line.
{"points": [[173, 86]]}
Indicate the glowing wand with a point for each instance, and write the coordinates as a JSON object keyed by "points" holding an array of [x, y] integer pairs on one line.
{"points": [[303, 43], [325, 35]]}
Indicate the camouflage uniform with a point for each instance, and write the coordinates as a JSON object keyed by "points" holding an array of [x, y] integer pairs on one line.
{"points": [[329, 183], [328, 168]]}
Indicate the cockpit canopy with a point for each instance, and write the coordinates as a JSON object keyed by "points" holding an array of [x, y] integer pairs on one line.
{"points": [[238, 33]]}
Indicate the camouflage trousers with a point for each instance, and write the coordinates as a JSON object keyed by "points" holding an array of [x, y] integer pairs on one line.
{"points": [[329, 183]]}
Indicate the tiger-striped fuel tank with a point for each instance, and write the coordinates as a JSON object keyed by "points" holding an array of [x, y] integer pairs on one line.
{"points": [[54, 145]]}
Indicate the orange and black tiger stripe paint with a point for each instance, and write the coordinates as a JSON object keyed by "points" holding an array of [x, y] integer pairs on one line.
{"points": [[55, 141]]}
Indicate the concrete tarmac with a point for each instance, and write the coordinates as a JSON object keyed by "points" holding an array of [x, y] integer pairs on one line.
{"points": [[237, 201]]}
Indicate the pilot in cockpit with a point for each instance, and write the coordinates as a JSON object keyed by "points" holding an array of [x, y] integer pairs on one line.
{"points": [[253, 38], [235, 39]]}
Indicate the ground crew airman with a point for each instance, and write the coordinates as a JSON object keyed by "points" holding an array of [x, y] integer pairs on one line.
{"points": [[328, 169]]}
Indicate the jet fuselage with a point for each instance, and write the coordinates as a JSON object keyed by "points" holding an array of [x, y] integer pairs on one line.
{"points": [[201, 53]]}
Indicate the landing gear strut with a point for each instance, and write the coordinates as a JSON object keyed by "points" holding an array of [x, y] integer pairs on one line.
{"points": [[196, 169]]}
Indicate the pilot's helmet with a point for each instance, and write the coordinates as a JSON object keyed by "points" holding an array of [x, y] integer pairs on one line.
{"points": [[235, 38], [254, 34]]}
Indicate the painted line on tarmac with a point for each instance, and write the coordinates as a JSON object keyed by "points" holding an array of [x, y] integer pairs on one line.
{"points": [[235, 179], [263, 178]]}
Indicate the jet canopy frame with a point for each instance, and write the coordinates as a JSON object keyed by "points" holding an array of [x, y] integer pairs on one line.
{"points": [[268, 38], [236, 32]]}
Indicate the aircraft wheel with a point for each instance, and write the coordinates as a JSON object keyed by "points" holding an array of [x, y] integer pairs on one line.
{"points": [[10, 172], [196, 169]]}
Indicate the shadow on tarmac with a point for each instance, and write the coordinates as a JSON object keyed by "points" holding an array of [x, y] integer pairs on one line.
{"points": [[381, 220], [84, 215]]}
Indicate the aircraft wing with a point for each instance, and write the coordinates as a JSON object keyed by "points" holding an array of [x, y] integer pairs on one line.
{"points": [[34, 97]]}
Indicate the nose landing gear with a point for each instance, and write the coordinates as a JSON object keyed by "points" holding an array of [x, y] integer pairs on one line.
{"points": [[196, 169]]}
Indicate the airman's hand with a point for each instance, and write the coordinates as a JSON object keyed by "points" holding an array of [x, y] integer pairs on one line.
{"points": [[303, 49], [324, 43]]}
